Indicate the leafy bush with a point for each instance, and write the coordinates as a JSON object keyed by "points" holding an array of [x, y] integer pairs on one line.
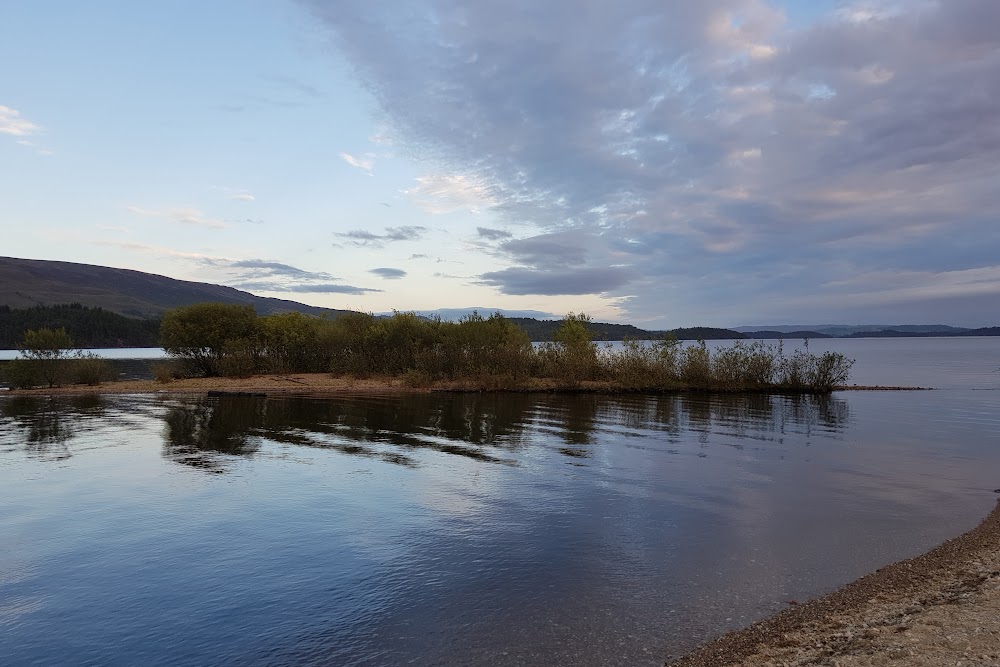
{"points": [[48, 350], [199, 334], [90, 369], [21, 373]]}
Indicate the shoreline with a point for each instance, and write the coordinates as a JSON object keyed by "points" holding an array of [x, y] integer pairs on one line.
{"points": [[938, 608], [324, 383]]}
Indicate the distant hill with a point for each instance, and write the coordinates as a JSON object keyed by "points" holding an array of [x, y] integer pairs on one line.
{"points": [[33, 282], [844, 330], [777, 335], [545, 330]]}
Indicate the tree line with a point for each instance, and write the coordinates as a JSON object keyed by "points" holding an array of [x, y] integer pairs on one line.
{"points": [[478, 352], [87, 327]]}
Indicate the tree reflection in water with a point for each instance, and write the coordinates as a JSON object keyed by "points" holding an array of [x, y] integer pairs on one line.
{"points": [[44, 425], [203, 432], [208, 432]]}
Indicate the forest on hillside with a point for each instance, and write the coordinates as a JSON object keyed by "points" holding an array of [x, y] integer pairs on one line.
{"points": [[87, 327]]}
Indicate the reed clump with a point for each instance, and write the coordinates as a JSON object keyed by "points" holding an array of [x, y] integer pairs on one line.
{"points": [[482, 353]]}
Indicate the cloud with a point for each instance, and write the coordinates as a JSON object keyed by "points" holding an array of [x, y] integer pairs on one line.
{"points": [[118, 229], [235, 194], [718, 154], [388, 273], [559, 249], [291, 83], [304, 289], [523, 281], [365, 163], [491, 234], [257, 275], [13, 124], [186, 216], [275, 268], [362, 238], [441, 193]]}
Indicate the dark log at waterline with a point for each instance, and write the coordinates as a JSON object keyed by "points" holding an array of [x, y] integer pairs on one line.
{"points": [[948, 570]]}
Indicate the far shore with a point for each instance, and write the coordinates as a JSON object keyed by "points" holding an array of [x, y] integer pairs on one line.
{"points": [[324, 383]]}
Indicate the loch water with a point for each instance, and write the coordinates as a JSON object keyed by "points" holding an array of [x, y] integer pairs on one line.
{"points": [[505, 529]]}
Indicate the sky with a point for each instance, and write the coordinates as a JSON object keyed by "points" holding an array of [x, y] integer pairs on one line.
{"points": [[664, 163]]}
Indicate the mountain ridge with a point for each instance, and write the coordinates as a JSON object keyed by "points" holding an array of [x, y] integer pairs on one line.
{"points": [[39, 282]]}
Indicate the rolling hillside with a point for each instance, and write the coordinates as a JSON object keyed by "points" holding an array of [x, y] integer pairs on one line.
{"points": [[33, 282]]}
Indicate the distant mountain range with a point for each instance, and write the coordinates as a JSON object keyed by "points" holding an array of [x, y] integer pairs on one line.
{"points": [[34, 282], [26, 283]]}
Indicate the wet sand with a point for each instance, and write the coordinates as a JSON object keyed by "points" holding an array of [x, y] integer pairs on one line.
{"points": [[324, 383], [299, 383], [941, 608]]}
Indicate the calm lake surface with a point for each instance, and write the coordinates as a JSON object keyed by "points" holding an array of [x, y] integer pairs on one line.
{"points": [[463, 530]]}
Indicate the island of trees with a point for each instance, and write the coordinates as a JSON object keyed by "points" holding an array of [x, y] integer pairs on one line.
{"points": [[475, 353]]}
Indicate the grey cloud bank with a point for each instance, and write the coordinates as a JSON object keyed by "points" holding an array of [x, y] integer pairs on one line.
{"points": [[709, 163]]}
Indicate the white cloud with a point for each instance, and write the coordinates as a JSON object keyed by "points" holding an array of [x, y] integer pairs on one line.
{"points": [[186, 216], [443, 193], [13, 124], [365, 163]]}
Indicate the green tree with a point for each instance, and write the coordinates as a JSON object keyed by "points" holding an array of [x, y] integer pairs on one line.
{"points": [[201, 334], [46, 351], [575, 350]]}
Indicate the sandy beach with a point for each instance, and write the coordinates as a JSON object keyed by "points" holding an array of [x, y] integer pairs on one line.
{"points": [[940, 608]]}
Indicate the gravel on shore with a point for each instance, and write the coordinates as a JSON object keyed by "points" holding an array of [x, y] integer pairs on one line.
{"points": [[940, 608]]}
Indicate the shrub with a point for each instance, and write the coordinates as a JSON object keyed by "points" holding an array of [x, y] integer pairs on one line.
{"points": [[241, 357], [47, 349], [164, 371], [695, 366], [90, 369], [831, 370], [21, 373], [199, 334]]}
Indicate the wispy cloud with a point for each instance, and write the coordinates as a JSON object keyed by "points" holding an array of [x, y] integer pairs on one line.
{"points": [[13, 124], [557, 282], [256, 275], [312, 288], [362, 238], [365, 163], [235, 194], [182, 215], [491, 234], [388, 273], [442, 193], [114, 228]]}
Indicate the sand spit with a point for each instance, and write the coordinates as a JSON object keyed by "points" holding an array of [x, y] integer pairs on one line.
{"points": [[324, 383], [301, 383], [941, 608]]}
